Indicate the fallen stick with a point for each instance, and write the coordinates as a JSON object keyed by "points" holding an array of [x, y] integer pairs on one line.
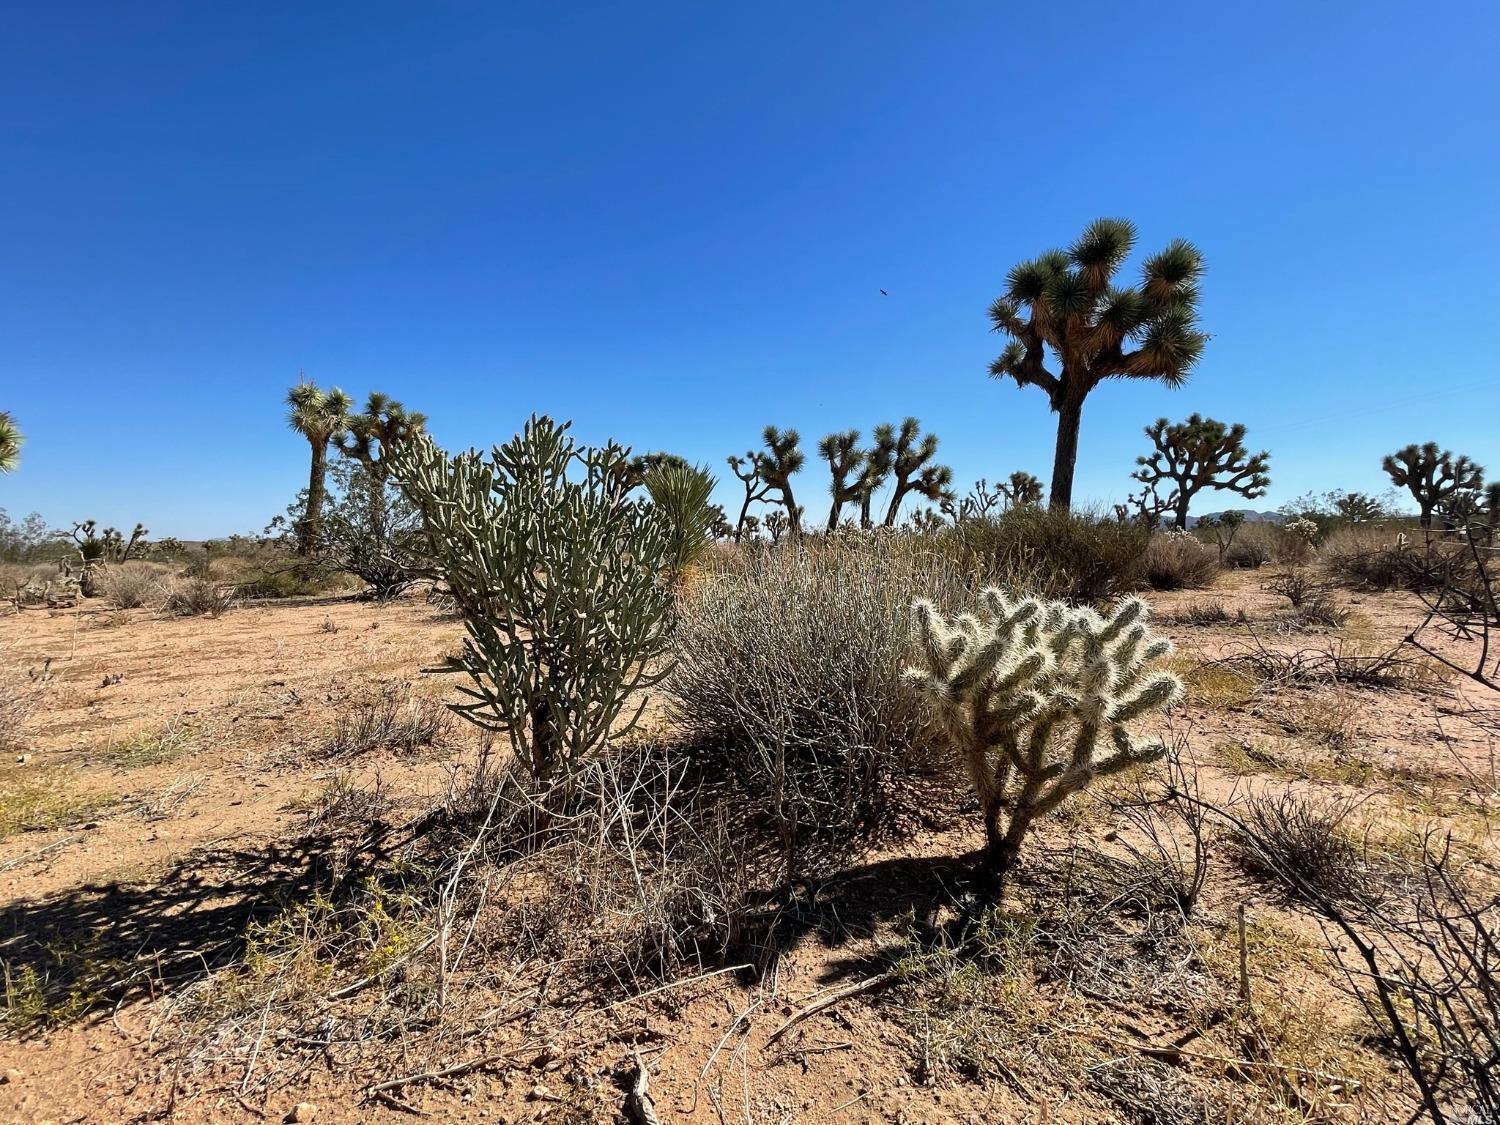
{"points": [[827, 1000], [446, 1072]]}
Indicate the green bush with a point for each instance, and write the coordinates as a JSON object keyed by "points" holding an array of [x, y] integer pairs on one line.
{"points": [[1078, 557], [559, 583]]}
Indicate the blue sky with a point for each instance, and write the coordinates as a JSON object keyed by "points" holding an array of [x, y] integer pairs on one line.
{"points": [[670, 222]]}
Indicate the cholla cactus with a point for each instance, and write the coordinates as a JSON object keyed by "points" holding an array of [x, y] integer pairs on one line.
{"points": [[1303, 528], [1038, 699]]}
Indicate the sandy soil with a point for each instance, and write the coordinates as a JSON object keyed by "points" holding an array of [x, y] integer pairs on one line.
{"points": [[195, 844]]}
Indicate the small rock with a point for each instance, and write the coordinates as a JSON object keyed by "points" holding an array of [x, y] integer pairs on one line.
{"points": [[303, 1111], [539, 1093], [11, 1075], [22, 759]]}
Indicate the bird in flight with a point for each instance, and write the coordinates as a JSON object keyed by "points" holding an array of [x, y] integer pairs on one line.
{"points": [[883, 293]]}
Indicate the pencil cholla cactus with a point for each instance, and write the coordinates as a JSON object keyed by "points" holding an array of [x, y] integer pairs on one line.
{"points": [[1038, 699], [559, 583]]}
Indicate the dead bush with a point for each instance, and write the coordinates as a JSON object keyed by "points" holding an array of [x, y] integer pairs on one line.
{"points": [[131, 586], [197, 596], [1302, 843], [18, 699], [389, 718]]}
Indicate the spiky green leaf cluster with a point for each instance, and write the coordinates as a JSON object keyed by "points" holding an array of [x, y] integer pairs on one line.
{"points": [[1066, 300]]}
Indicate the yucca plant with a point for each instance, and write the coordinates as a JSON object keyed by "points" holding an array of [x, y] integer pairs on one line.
{"points": [[1201, 453], [11, 440], [1433, 476], [681, 492], [1063, 308]]}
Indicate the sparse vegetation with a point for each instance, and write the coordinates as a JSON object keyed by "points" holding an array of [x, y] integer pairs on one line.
{"points": [[389, 717]]}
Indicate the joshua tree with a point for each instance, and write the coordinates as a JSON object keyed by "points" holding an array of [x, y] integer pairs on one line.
{"points": [[11, 440], [877, 468], [844, 457], [747, 469], [978, 504], [1038, 700], [1433, 476], [1144, 508], [1063, 306], [912, 469], [1202, 453], [783, 458], [318, 416], [1021, 489], [1357, 507], [776, 524], [371, 438]]}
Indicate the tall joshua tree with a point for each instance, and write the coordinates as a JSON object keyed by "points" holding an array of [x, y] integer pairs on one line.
{"points": [[1201, 453], [1433, 476], [319, 416], [913, 470], [11, 440], [371, 438], [783, 458], [844, 458], [1063, 308]]}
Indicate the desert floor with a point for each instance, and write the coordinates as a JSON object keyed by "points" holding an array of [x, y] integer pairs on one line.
{"points": [[156, 803]]}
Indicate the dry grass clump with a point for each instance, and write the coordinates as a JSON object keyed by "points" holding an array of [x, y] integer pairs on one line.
{"points": [[41, 801], [152, 748], [391, 717], [1302, 843], [1175, 561], [132, 585], [1207, 615], [789, 675], [19, 696], [197, 595]]}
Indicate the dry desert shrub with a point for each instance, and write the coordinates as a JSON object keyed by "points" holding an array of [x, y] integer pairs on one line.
{"points": [[197, 595], [1076, 556], [19, 696], [1178, 561], [132, 585], [789, 674], [1302, 842]]}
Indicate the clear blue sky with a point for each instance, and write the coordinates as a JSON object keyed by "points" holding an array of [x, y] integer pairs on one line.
{"points": [[670, 222]]}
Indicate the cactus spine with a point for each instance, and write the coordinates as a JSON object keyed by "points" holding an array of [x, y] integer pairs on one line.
{"points": [[1038, 699]]}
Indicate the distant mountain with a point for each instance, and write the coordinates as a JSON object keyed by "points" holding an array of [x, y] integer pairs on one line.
{"points": [[1250, 516]]}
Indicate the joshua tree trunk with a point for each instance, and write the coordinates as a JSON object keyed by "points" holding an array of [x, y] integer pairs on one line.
{"points": [[311, 524], [1426, 510], [1069, 418], [895, 506], [833, 514], [1181, 515]]}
